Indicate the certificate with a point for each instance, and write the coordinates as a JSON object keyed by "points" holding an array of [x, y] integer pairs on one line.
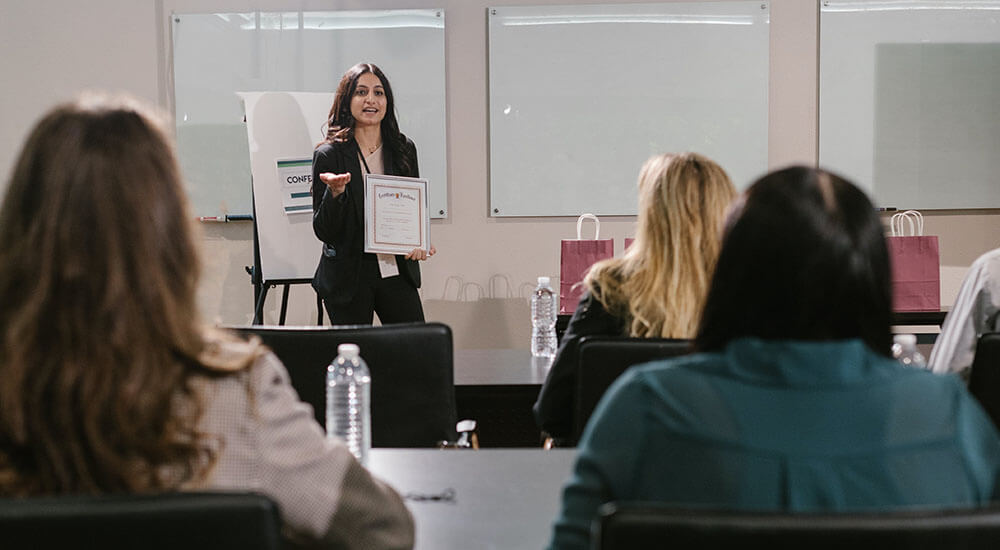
{"points": [[396, 215]]}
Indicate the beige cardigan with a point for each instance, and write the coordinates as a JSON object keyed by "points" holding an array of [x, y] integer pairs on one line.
{"points": [[273, 445]]}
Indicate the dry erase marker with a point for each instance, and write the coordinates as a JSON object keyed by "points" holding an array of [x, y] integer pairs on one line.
{"points": [[211, 219]]}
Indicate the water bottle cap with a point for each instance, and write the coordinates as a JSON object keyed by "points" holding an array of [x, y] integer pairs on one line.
{"points": [[543, 281], [905, 339], [349, 351]]}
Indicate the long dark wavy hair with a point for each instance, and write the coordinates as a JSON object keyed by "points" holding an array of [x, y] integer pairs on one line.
{"points": [[804, 259], [340, 122], [101, 343]]}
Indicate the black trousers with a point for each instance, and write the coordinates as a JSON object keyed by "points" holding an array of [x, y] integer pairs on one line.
{"points": [[394, 300]]}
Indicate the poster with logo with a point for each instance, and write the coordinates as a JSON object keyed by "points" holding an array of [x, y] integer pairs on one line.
{"points": [[295, 181]]}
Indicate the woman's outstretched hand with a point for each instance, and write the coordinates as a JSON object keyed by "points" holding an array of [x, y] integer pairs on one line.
{"points": [[336, 182]]}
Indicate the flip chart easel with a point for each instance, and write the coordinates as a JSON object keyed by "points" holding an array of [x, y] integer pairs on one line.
{"points": [[281, 125]]}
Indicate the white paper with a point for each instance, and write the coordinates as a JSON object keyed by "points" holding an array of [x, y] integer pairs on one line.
{"points": [[387, 266]]}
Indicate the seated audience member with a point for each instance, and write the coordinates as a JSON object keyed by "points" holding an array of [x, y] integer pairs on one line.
{"points": [[108, 381], [977, 310], [656, 290], [792, 401]]}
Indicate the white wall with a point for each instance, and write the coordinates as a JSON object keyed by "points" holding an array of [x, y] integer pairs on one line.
{"points": [[50, 49]]}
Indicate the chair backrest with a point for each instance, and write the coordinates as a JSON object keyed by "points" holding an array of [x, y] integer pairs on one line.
{"points": [[984, 380], [413, 389], [635, 526], [603, 359], [192, 521]]}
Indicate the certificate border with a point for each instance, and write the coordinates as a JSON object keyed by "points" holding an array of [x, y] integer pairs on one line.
{"points": [[416, 184]]}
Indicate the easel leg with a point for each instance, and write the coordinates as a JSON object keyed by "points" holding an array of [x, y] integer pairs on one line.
{"points": [[258, 312], [284, 304]]}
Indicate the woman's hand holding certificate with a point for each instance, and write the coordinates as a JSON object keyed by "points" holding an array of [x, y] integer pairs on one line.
{"points": [[421, 254]]}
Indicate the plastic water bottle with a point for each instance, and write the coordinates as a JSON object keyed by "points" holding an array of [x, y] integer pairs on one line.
{"points": [[543, 320], [348, 401], [904, 349]]}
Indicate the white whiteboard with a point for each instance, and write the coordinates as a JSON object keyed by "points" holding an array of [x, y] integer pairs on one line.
{"points": [[909, 96], [581, 96], [216, 55]]}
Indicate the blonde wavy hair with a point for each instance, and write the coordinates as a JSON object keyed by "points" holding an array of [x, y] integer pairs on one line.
{"points": [[100, 341], [660, 283]]}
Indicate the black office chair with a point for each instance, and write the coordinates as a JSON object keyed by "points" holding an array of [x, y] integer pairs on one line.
{"points": [[984, 380], [413, 389], [192, 521], [603, 359], [636, 526]]}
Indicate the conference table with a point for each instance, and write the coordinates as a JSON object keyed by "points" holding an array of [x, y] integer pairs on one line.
{"points": [[502, 499], [925, 324], [496, 388]]}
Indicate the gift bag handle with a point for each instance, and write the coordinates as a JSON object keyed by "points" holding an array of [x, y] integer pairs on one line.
{"points": [[579, 226], [920, 220], [479, 290], [914, 220], [896, 224], [493, 285], [458, 290]]}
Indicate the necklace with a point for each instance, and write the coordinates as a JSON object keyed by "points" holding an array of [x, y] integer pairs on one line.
{"points": [[371, 149]]}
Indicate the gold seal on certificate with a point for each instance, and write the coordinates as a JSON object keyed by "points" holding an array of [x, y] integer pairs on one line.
{"points": [[396, 215]]}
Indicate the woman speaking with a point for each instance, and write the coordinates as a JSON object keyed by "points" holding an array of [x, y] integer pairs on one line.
{"points": [[362, 137]]}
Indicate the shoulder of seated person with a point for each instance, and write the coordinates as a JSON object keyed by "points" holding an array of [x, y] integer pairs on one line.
{"points": [[590, 307], [230, 354], [587, 303]]}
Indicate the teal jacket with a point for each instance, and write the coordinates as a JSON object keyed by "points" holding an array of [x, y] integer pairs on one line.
{"points": [[782, 425]]}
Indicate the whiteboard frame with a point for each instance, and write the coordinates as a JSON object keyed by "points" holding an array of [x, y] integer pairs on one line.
{"points": [[408, 44], [561, 141], [849, 33]]}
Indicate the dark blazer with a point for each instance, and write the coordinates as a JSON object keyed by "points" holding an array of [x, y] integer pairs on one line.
{"points": [[339, 221]]}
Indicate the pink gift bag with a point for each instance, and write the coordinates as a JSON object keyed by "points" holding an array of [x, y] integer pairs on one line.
{"points": [[576, 257], [915, 263]]}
